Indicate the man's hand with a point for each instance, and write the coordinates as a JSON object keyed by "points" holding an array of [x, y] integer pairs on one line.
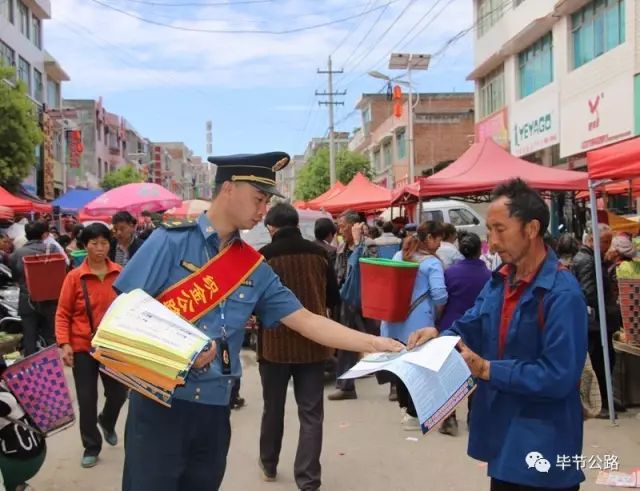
{"points": [[205, 357], [480, 368], [421, 336], [379, 344], [67, 355]]}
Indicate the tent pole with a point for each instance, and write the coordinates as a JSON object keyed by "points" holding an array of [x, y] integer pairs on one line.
{"points": [[601, 307]]}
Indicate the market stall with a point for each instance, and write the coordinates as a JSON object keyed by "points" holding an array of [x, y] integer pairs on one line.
{"points": [[481, 168], [75, 199], [606, 166], [22, 205], [359, 195]]}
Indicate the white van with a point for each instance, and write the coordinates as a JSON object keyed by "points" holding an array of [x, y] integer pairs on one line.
{"points": [[457, 213], [258, 236]]}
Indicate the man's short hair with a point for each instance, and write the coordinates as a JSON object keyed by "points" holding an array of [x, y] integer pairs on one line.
{"points": [[449, 232], [387, 227], [123, 217], [324, 227], [352, 217], [282, 215], [35, 230], [146, 213], [525, 203]]}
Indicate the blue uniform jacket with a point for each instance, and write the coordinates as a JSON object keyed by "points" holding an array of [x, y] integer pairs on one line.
{"points": [[157, 266], [532, 401]]}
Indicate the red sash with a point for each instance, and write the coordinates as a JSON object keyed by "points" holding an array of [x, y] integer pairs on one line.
{"points": [[199, 293]]}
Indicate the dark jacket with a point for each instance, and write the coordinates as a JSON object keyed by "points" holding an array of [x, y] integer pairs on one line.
{"points": [[303, 267], [332, 252], [584, 269], [133, 248]]}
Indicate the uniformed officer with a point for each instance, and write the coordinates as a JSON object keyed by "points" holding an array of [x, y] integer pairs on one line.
{"points": [[185, 447]]}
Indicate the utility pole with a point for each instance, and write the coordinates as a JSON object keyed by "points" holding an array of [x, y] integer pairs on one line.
{"points": [[330, 103]]}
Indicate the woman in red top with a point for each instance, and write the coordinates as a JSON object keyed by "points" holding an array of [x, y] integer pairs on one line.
{"points": [[86, 295]]}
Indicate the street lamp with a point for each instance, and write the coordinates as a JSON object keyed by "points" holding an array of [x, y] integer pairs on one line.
{"points": [[409, 62]]}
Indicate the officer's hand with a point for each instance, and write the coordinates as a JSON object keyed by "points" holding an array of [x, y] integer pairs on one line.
{"points": [[422, 336], [385, 344], [67, 355], [206, 357]]}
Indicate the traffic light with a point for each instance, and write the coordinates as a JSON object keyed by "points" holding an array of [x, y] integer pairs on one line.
{"points": [[397, 101]]}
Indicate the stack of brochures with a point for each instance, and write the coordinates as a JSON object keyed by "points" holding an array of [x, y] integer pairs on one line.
{"points": [[146, 346]]}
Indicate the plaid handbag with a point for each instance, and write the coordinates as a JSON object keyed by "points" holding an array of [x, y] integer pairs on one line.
{"points": [[38, 383]]}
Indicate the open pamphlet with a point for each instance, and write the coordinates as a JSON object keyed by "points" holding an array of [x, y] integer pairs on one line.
{"points": [[146, 346], [435, 374]]}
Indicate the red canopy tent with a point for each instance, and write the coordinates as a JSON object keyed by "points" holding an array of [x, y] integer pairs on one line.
{"points": [[359, 195], [20, 205], [485, 165], [619, 161], [316, 203], [621, 187]]}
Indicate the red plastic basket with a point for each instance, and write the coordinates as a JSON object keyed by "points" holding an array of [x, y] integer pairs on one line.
{"points": [[630, 309], [386, 287], [44, 276]]}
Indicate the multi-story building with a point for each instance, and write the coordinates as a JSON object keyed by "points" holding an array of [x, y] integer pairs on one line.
{"points": [[286, 178], [555, 79], [108, 142], [22, 47], [174, 168], [443, 130]]}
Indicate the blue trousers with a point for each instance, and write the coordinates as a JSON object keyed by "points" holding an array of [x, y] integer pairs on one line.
{"points": [[182, 448]]}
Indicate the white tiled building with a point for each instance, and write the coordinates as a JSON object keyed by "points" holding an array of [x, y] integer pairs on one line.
{"points": [[556, 78], [22, 46]]}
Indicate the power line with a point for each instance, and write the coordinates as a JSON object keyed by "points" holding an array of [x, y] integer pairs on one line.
{"points": [[92, 37], [200, 4], [199, 18], [330, 103], [375, 23], [351, 31], [241, 31], [388, 29]]}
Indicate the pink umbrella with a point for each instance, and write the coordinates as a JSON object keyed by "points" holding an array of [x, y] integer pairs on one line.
{"points": [[134, 198], [189, 209]]}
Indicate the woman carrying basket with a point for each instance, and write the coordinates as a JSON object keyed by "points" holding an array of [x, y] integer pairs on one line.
{"points": [[86, 295], [428, 299]]}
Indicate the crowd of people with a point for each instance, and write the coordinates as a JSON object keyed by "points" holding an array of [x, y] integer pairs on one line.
{"points": [[520, 281]]}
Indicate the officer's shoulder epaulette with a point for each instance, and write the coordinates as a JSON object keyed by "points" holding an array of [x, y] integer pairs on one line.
{"points": [[178, 224]]}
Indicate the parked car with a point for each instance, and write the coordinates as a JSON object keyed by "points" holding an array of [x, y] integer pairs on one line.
{"points": [[258, 236], [457, 213]]}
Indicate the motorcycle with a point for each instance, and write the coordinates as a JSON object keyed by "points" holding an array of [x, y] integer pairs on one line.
{"points": [[10, 321]]}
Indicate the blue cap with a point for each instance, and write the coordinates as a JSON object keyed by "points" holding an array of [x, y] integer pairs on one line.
{"points": [[257, 169]]}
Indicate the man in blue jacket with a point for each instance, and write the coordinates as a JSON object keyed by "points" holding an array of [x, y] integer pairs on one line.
{"points": [[525, 339]]}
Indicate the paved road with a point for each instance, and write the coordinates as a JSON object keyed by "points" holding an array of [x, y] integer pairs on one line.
{"points": [[364, 449]]}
